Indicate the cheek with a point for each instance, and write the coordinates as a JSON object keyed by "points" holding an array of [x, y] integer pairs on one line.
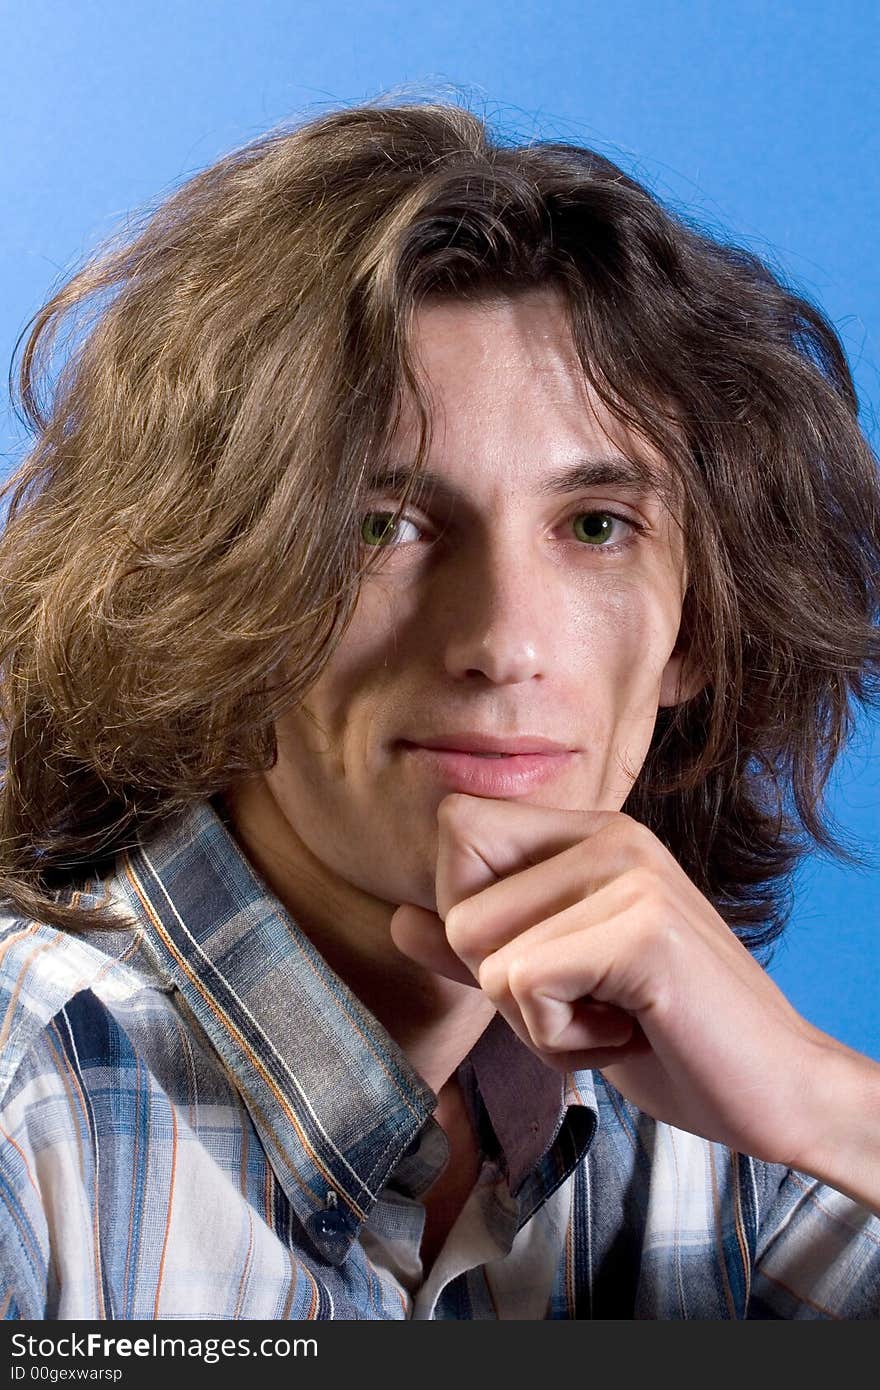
{"points": [[623, 632], [318, 740], [634, 642], [365, 650]]}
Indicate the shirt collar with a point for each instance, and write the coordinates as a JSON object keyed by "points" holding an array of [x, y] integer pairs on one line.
{"points": [[526, 1101], [335, 1101]]}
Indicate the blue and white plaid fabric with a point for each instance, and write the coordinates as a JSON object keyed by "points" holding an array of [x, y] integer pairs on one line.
{"points": [[199, 1120]]}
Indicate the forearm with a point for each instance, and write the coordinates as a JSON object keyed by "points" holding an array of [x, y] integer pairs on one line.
{"points": [[845, 1149]]}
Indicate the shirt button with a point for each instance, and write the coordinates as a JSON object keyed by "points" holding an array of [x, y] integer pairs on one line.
{"points": [[331, 1228], [329, 1223]]}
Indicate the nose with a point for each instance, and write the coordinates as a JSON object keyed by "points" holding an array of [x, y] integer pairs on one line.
{"points": [[500, 622]]}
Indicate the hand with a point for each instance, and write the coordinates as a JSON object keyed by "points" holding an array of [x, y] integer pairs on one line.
{"points": [[600, 952]]}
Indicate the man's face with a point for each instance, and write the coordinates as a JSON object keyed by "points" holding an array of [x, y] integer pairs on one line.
{"points": [[503, 606]]}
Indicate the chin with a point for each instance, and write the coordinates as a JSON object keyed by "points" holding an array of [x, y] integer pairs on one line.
{"points": [[409, 880], [418, 889]]}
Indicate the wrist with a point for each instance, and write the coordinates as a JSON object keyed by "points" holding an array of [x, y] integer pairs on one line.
{"points": [[843, 1148]]}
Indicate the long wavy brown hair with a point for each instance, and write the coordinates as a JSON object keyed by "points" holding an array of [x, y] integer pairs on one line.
{"points": [[186, 521]]}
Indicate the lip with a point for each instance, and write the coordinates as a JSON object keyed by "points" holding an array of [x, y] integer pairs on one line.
{"points": [[465, 742], [454, 761]]}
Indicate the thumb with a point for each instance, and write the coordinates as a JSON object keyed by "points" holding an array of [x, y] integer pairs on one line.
{"points": [[420, 935], [482, 840]]}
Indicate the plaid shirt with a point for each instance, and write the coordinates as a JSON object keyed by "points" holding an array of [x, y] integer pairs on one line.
{"points": [[199, 1120]]}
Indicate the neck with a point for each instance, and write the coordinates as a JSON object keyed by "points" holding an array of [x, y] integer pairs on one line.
{"points": [[434, 1021]]}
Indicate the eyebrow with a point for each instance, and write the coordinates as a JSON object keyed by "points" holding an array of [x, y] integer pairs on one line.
{"points": [[604, 470]]}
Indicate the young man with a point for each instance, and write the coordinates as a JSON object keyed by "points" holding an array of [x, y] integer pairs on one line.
{"points": [[430, 613]]}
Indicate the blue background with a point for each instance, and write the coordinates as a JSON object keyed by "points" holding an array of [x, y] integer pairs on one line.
{"points": [[760, 118]]}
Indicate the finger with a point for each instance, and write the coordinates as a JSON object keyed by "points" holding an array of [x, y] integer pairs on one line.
{"points": [[555, 1026], [421, 936], [596, 1049], [593, 1058], [482, 840], [581, 954], [592, 871]]}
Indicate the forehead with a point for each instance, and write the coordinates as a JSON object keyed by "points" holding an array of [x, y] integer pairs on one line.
{"points": [[507, 396], [468, 349]]}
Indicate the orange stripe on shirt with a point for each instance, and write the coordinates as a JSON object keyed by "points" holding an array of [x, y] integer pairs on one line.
{"points": [[719, 1234], [134, 1172], [168, 1215], [243, 1282], [63, 1065], [801, 1297], [252, 1057], [740, 1225], [9, 1139], [23, 972]]}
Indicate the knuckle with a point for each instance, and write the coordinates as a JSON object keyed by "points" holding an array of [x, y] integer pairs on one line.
{"points": [[649, 881], [491, 980], [663, 937], [520, 977], [457, 924], [660, 914], [643, 842], [616, 831], [633, 836], [455, 810], [645, 883]]}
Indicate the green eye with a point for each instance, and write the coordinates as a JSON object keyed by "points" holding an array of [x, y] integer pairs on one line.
{"points": [[594, 527], [378, 528]]}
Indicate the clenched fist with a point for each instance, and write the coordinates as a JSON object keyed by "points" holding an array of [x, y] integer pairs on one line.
{"points": [[600, 952]]}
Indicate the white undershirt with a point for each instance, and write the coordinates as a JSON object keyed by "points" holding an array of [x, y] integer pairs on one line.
{"points": [[519, 1266]]}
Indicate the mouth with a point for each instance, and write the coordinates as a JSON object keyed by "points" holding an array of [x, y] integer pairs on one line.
{"points": [[469, 763], [491, 745]]}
